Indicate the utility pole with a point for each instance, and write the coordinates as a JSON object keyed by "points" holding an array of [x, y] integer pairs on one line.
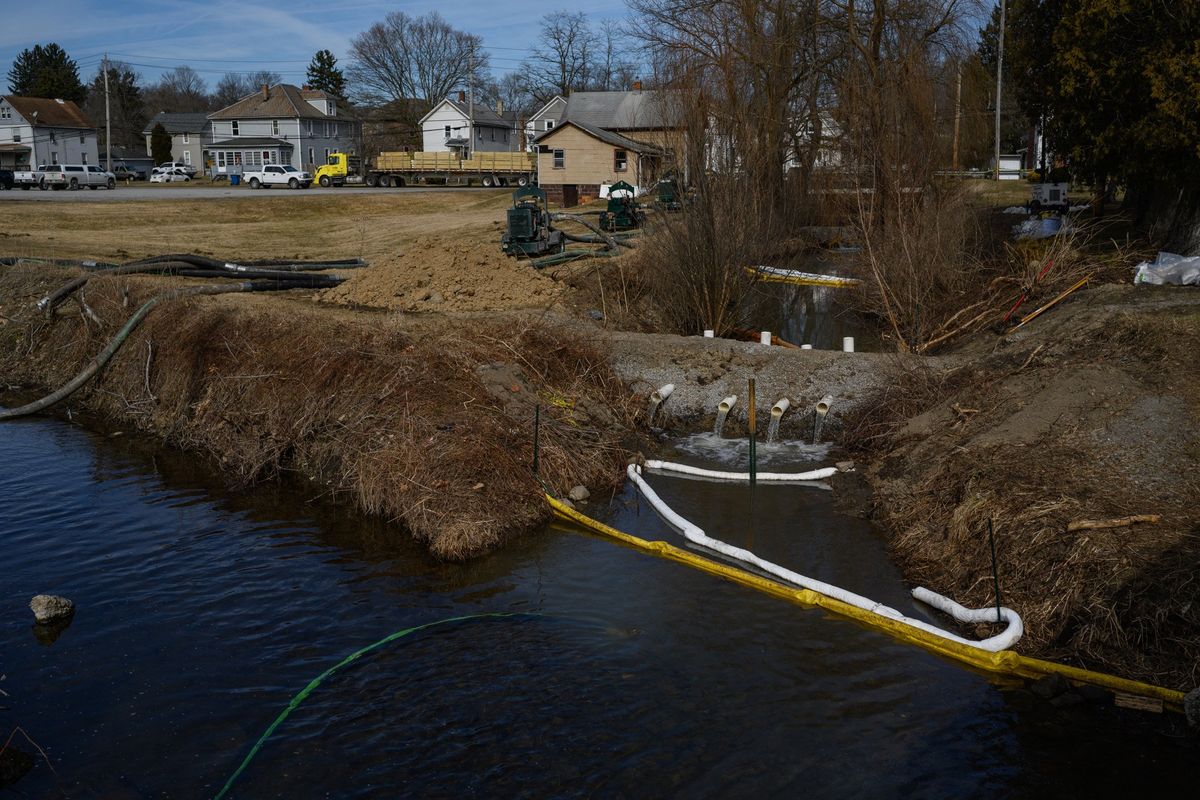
{"points": [[957, 117], [999, 85], [471, 98], [107, 120]]}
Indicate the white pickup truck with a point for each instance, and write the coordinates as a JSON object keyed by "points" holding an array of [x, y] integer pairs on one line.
{"points": [[277, 175], [69, 176]]}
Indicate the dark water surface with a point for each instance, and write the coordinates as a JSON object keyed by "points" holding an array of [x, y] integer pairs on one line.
{"points": [[201, 612]]}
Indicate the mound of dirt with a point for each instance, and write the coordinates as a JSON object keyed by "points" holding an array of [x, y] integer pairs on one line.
{"points": [[465, 273], [1089, 413]]}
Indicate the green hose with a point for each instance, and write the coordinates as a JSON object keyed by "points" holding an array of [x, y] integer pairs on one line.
{"points": [[315, 682]]}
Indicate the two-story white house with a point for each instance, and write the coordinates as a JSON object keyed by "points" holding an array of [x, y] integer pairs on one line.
{"points": [[544, 119], [38, 130], [191, 134], [450, 128], [281, 124]]}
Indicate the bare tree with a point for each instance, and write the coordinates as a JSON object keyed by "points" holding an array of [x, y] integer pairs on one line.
{"points": [[756, 59], [423, 58], [178, 90], [563, 58], [233, 86]]}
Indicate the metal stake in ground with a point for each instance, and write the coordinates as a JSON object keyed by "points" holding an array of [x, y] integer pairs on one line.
{"points": [[753, 455], [995, 570]]}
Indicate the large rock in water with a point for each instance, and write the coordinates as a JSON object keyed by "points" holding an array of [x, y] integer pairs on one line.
{"points": [[49, 608]]}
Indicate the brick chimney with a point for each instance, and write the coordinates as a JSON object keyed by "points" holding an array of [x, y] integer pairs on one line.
{"points": [[637, 86], [500, 107], [462, 96], [266, 91]]}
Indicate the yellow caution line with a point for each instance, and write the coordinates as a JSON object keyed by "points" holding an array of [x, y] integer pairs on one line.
{"points": [[804, 279], [1007, 662]]}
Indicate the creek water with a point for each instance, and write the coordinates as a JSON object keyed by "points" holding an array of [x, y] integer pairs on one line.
{"points": [[202, 611], [815, 315]]}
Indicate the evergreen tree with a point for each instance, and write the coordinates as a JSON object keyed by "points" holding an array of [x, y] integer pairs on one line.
{"points": [[46, 72], [125, 105], [160, 144], [323, 74]]}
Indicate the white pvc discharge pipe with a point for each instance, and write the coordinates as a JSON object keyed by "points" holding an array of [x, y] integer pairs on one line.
{"points": [[771, 477], [823, 405], [780, 407], [693, 533], [727, 403], [662, 394]]}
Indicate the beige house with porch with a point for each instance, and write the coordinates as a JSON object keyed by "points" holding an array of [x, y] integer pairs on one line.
{"points": [[602, 138]]}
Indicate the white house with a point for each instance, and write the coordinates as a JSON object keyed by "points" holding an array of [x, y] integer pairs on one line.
{"points": [[191, 133], [37, 130], [281, 124], [544, 119], [449, 127]]}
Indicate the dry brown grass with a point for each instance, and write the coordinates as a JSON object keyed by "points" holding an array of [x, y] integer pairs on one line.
{"points": [[956, 447], [357, 223], [432, 427]]}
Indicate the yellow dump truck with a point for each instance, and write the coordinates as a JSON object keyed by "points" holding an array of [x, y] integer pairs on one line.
{"points": [[402, 169]]}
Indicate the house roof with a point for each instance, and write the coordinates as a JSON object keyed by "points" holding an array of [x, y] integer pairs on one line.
{"points": [[609, 137], [127, 154], [283, 101], [558, 98], [484, 116], [179, 122], [49, 113], [252, 142], [620, 110]]}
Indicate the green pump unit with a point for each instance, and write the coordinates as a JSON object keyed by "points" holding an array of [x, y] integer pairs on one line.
{"points": [[623, 213], [529, 232]]}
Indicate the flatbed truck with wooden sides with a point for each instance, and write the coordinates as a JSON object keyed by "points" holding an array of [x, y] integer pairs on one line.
{"points": [[406, 169]]}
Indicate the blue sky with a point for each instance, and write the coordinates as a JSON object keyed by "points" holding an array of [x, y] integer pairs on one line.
{"points": [[218, 36]]}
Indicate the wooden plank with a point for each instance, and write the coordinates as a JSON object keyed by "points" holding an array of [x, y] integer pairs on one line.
{"points": [[1152, 704]]}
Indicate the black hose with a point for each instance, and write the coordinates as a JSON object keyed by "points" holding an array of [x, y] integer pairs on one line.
{"points": [[105, 355], [620, 242], [192, 266]]}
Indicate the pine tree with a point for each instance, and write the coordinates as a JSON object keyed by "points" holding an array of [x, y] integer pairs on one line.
{"points": [[125, 105], [323, 74], [46, 72], [160, 144]]}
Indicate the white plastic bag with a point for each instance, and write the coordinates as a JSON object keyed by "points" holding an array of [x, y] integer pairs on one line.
{"points": [[1169, 268]]}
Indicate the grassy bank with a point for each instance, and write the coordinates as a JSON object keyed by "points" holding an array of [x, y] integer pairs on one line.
{"points": [[429, 425], [1087, 414]]}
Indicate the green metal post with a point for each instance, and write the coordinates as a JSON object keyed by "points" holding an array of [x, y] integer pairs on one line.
{"points": [[753, 437]]}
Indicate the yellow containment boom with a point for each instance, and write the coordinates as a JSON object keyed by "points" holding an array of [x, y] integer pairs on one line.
{"points": [[1007, 662], [778, 275]]}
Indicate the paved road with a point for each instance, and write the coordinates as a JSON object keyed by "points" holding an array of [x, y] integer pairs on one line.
{"points": [[206, 192]]}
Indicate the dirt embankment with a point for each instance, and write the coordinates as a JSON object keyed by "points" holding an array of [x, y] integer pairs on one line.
{"points": [[1090, 412], [430, 425]]}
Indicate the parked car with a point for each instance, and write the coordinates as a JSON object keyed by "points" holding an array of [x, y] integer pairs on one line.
{"points": [[74, 176], [188, 168], [125, 173], [26, 178], [278, 175], [169, 175], [7, 179]]}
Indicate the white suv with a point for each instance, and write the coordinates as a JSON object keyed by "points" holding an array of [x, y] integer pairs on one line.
{"points": [[170, 165]]}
